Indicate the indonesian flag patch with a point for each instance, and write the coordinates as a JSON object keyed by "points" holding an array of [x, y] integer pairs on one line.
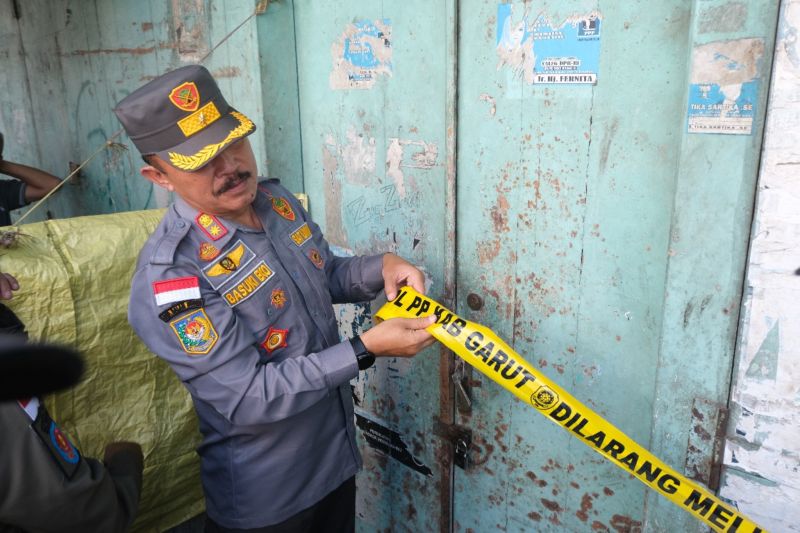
{"points": [[176, 290]]}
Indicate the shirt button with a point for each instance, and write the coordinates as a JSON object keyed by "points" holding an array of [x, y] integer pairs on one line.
{"points": [[181, 224]]}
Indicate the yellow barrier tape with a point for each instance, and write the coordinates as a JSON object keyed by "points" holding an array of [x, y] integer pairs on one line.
{"points": [[484, 350]]}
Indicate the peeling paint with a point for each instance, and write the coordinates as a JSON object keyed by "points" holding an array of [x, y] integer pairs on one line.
{"points": [[358, 156], [425, 157], [490, 100], [762, 454]]}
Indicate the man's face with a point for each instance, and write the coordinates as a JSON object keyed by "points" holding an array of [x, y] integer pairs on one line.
{"points": [[224, 187]]}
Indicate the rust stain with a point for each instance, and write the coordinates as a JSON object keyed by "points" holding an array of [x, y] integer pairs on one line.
{"points": [[488, 251], [536, 517], [599, 526], [535, 479], [132, 51], [625, 524], [147, 26], [553, 506], [586, 506], [500, 214], [607, 491]]}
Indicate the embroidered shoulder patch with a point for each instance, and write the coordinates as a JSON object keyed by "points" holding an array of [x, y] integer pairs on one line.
{"points": [[282, 207], [301, 235], [172, 290], [276, 338], [316, 258], [195, 332], [237, 257], [211, 226]]}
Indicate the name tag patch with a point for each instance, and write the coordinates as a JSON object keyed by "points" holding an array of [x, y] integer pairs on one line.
{"points": [[229, 263], [301, 235], [249, 284]]}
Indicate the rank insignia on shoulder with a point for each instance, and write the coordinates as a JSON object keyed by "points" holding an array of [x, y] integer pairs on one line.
{"points": [[172, 290], [208, 251], [316, 258], [278, 298], [195, 332], [276, 338], [282, 207], [180, 307], [211, 226], [301, 235]]}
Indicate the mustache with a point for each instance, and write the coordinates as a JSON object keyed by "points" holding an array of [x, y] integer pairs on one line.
{"points": [[232, 182]]}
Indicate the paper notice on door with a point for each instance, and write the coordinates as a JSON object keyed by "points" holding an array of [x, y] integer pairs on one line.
{"points": [[723, 90]]}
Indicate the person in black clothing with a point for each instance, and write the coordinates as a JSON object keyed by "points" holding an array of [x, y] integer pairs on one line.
{"points": [[31, 184], [48, 485]]}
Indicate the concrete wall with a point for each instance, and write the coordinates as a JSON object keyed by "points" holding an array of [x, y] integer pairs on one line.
{"points": [[762, 455]]}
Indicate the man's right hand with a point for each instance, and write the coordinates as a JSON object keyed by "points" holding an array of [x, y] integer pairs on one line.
{"points": [[399, 337]]}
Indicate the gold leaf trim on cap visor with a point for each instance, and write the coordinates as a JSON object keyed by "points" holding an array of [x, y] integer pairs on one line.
{"points": [[205, 154]]}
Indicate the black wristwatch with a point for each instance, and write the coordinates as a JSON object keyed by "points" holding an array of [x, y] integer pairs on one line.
{"points": [[365, 358]]}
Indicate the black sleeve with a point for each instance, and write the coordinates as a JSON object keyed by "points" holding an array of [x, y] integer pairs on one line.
{"points": [[11, 194]]}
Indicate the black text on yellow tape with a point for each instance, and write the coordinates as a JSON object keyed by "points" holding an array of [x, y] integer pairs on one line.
{"points": [[484, 350]]}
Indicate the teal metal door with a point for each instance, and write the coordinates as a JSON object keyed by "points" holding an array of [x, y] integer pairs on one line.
{"points": [[374, 81], [576, 175], [604, 241]]}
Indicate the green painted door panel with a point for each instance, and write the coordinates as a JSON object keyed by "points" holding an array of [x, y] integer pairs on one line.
{"points": [[373, 99], [608, 246]]}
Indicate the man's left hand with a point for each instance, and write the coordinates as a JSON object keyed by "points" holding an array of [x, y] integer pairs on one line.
{"points": [[397, 272]]}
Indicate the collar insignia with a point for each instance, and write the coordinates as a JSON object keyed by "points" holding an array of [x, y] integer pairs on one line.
{"points": [[211, 226]]}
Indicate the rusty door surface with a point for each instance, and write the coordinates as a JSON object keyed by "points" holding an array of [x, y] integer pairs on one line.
{"points": [[603, 215], [374, 88]]}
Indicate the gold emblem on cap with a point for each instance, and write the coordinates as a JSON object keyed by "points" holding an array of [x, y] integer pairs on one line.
{"points": [[205, 154], [199, 119]]}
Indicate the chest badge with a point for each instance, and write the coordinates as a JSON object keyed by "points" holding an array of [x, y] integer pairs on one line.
{"points": [[301, 235], [237, 257], [316, 258], [278, 298], [211, 226], [208, 251], [282, 207], [195, 332], [276, 338]]}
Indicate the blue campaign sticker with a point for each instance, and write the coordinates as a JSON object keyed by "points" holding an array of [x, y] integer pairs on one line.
{"points": [[362, 54], [729, 109], [547, 52]]}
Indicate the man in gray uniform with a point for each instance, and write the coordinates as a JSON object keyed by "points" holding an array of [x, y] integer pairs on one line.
{"points": [[234, 290]]}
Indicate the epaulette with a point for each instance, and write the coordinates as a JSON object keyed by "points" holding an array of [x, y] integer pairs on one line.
{"points": [[164, 251]]}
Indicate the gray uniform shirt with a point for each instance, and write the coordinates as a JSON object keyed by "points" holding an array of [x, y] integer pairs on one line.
{"points": [[245, 319]]}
